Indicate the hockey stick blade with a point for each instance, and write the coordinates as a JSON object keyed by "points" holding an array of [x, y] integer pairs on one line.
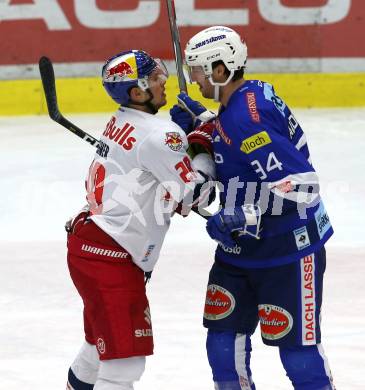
{"points": [[49, 87]]}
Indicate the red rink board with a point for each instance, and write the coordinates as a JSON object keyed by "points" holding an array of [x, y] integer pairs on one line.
{"points": [[79, 30]]}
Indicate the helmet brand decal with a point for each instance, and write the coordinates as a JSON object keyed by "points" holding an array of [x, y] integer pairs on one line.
{"points": [[210, 40]]}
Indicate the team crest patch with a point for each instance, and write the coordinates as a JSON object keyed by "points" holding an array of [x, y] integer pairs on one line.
{"points": [[219, 303], [301, 238], [174, 141], [275, 322]]}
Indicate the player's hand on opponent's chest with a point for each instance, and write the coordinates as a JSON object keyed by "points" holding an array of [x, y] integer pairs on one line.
{"points": [[189, 113]]}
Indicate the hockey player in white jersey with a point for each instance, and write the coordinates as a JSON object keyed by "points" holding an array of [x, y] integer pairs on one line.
{"points": [[140, 173]]}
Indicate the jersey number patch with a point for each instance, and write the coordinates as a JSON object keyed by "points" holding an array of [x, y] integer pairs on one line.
{"points": [[185, 170], [271, 164]]}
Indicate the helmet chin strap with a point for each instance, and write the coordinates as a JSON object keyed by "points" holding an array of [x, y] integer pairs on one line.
{"points": [[218, 85], [216, 93]]}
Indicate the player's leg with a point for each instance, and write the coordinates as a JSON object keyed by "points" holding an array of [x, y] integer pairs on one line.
{"points": [[116, 311], [307, 367], [84, 370], [290, 299], [120, 374], [230, 315], [229, 355]]}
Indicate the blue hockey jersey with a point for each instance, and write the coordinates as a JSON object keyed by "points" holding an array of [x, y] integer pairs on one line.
{"points": [[262, 158]]}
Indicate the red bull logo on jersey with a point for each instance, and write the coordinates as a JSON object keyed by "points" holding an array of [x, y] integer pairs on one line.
{"points": [[174, 141], [219, 303], [275, 322], [120, 135]]}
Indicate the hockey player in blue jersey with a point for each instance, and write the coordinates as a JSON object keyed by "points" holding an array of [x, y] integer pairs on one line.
{"points": [[271, 227]]}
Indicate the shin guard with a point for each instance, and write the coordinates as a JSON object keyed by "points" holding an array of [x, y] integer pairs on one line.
{"points": [[229, 356]]}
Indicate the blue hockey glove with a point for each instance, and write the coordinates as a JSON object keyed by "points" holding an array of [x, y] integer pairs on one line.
{"points": [[230, 223], [182, 118], [197, 111]]}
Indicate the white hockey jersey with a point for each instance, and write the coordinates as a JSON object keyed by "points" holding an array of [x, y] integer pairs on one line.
{"points": [[139, 171]]}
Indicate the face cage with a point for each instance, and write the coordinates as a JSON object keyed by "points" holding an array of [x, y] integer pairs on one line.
{"points": [[162, 75], [188, 73]]}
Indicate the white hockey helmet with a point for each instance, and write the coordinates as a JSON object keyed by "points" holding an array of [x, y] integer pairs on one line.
{"points": [[214, 44]]}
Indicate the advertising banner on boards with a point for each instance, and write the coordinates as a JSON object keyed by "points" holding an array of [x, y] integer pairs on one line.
{"points": [[281, 35]]}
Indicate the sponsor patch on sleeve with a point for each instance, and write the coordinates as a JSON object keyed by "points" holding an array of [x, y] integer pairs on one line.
{"points": [[322, 220], [252, 106], [255, 142]]}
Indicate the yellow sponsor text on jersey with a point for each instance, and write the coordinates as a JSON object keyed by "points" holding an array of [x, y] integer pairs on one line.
{"points": [[254, 142]]}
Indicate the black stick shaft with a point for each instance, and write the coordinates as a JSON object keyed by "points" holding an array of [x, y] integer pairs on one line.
{"points": [[176, 45], [49, 87]]}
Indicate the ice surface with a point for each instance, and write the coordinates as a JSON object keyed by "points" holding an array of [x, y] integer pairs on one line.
{"points": [[42, 171]]}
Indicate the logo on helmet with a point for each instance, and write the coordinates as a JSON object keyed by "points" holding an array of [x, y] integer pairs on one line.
{"points": [[209, 40], [122, 69]]}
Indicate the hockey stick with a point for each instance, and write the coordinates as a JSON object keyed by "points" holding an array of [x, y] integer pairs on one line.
{"points": [[49, 87], [176, 45], [175, 37]]}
